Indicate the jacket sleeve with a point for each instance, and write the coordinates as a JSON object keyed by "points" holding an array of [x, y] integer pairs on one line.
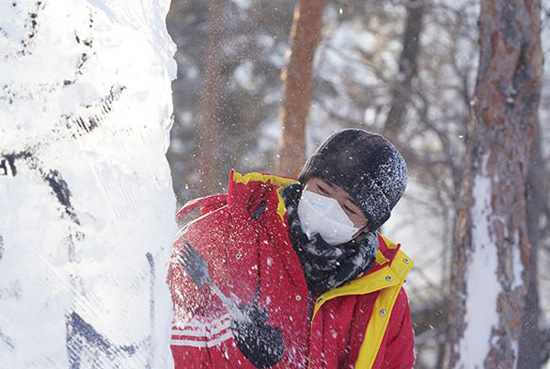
{"points": [[399, 350]]}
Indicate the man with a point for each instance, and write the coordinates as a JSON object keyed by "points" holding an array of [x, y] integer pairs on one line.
{"points": [[293, 274]]}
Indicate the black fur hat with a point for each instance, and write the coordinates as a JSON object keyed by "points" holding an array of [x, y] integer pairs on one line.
{"points": [[364, 164]]}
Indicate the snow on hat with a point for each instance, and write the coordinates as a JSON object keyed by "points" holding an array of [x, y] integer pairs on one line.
{"points": [[366, 165]]}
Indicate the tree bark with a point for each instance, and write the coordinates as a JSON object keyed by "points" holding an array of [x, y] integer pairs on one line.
{"points": [[491, 266], [407, 68], [530, 348], [210, 101], [297, 81]]}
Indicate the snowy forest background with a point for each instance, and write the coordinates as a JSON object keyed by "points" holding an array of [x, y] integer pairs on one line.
{"points": [[406, 69], [86, 118]]}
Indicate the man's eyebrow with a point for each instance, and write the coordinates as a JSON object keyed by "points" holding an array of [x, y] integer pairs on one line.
{"points": [[354, 205]]}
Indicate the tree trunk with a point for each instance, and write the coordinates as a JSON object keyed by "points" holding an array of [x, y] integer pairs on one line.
{"points": [[86, 202], [407, 68], [297, 79], [491, 264], [210, 100]]}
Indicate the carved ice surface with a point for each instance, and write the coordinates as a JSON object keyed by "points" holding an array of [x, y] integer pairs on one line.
{"points": [[86, 201]]}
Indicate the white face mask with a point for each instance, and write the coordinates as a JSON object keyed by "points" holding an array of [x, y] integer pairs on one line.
{"points": [[324, 215]]}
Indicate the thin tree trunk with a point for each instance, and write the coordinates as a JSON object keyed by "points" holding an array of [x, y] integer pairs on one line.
{"points": [[297, 79], [491, 255], [407, 67], [530, 341], [210, 100]]}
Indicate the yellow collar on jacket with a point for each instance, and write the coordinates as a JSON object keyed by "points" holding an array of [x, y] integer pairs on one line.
{"points": [[390, 275]]}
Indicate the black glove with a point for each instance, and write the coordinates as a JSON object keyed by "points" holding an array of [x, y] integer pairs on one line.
{"points": [[260, 343]]}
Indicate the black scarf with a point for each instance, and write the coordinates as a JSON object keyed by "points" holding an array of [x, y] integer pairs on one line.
{"points": [[325, 266]]}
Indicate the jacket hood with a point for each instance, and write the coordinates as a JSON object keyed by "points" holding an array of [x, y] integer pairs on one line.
{"points": [[248, 193]]}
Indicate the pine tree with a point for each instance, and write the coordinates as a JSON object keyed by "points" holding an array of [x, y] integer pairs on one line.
{"points": [[491, 258]]}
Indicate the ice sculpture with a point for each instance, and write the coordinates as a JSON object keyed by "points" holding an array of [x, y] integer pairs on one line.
{"points": [[86, 202]]}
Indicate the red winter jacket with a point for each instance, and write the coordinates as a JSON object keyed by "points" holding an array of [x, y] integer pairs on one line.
{"points": [[244, 238]]}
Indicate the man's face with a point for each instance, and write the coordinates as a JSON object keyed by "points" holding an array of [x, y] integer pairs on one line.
{"points": [[353, 211]]}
